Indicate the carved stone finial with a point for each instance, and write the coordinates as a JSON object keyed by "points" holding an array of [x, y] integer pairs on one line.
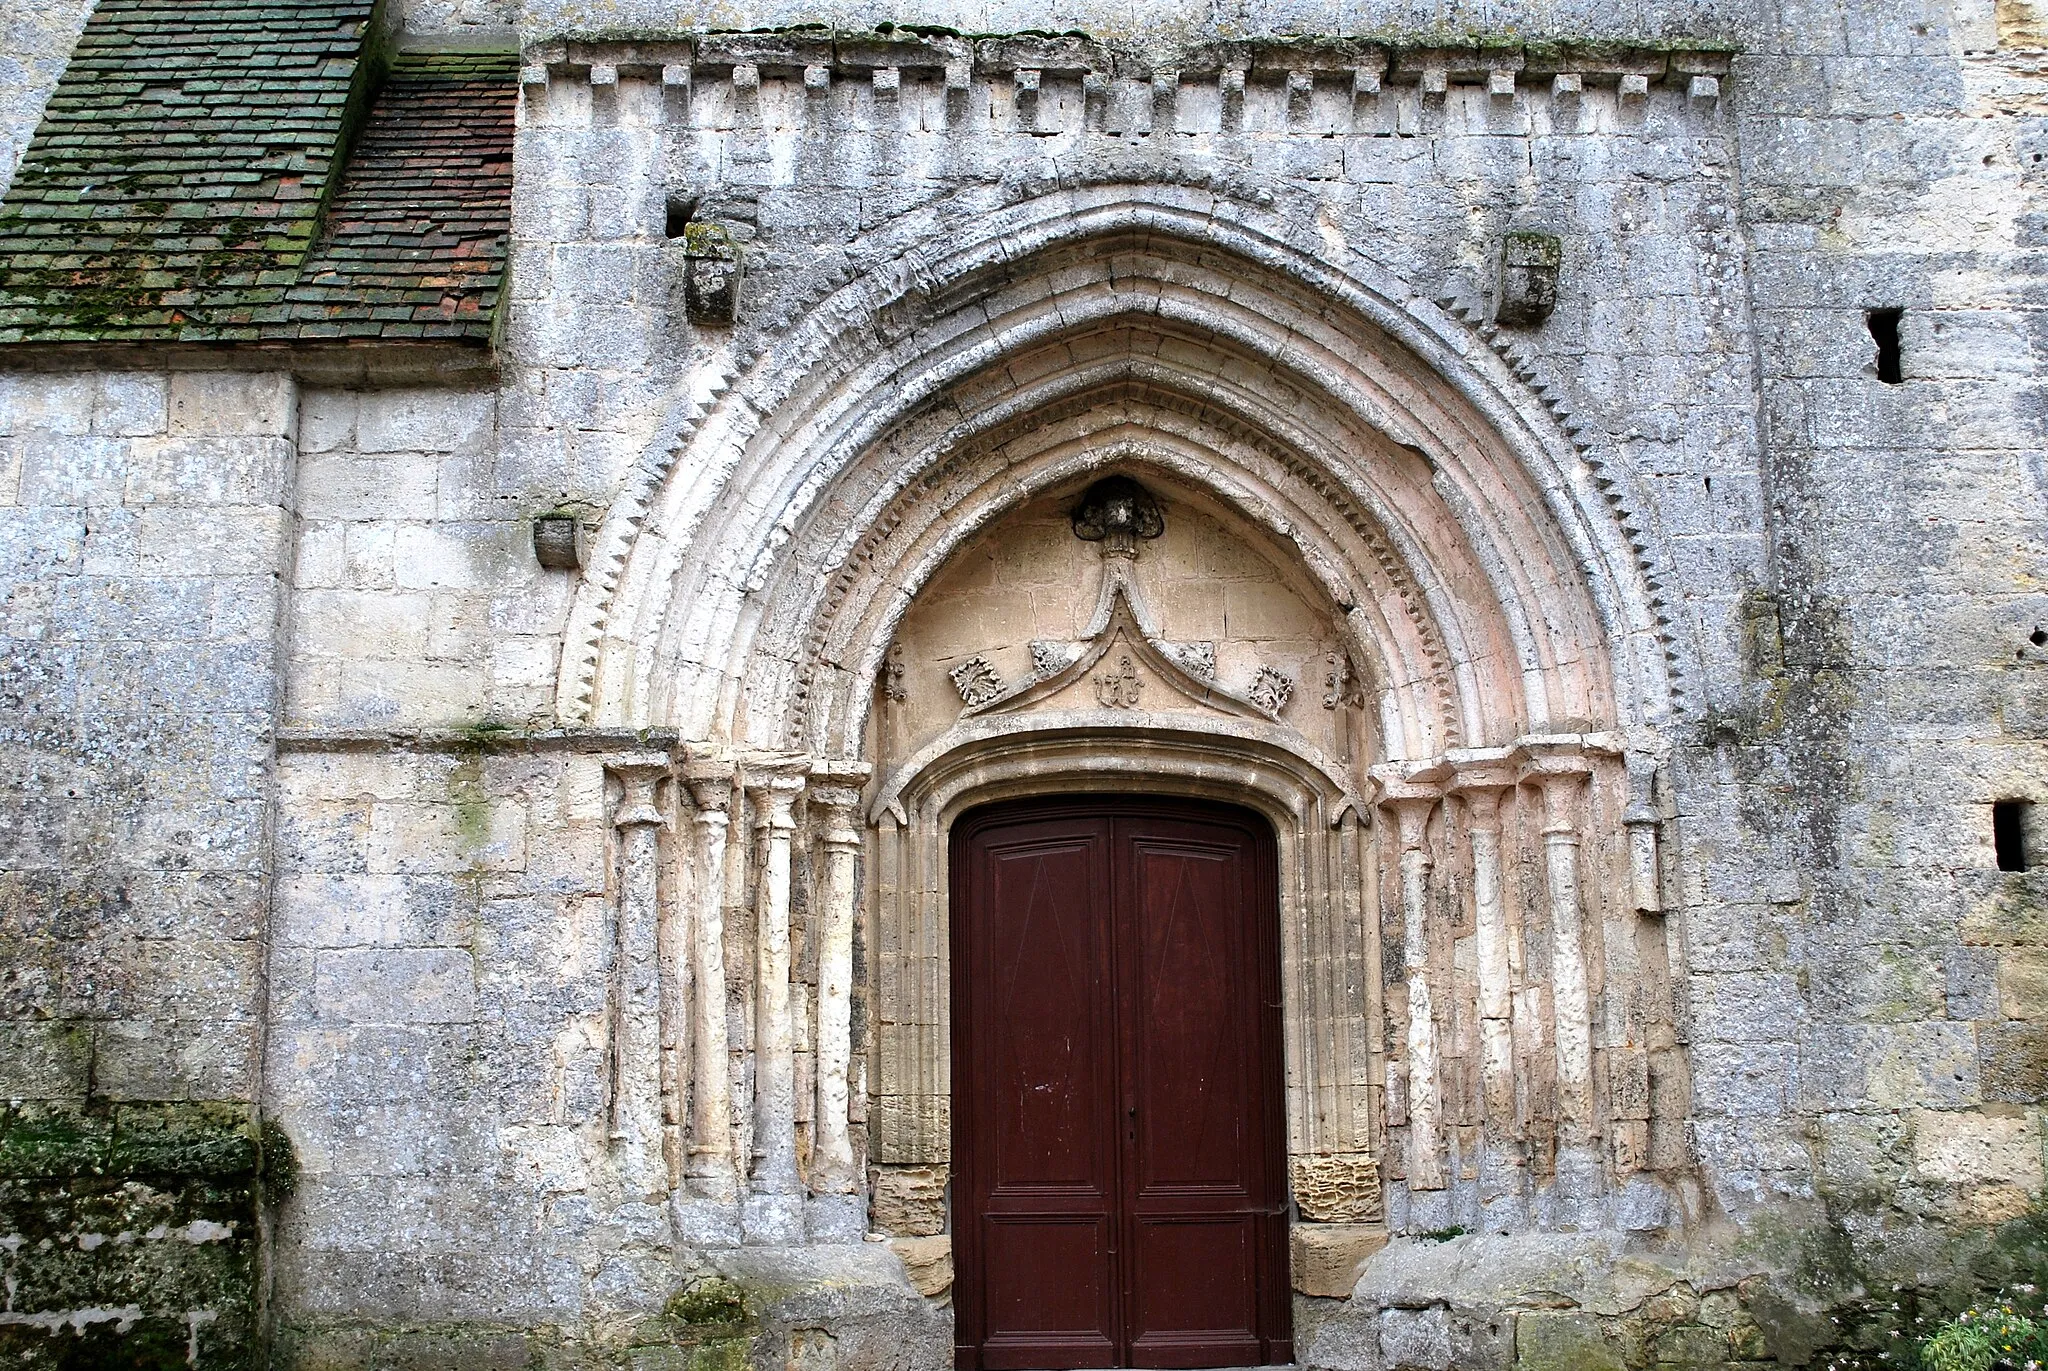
{"points": [[892, 674], [1340, 683], [1198, 658], [1049, 658], [1117, 512]]}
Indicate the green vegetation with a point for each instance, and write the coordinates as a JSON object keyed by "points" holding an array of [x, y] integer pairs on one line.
{"points": [[1990, 1338]]}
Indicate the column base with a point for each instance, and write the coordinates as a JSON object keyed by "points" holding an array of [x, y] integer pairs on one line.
{"points": [[772, 1220], [703, 1222], [836, 1218]]}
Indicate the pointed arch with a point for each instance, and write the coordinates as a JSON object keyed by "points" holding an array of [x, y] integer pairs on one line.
{"points": [[744, 586]]}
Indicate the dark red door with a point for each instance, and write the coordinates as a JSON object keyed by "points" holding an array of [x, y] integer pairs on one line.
{"points": [[1118, 1171]]}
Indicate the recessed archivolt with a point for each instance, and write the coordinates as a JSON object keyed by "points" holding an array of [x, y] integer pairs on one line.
{"points": [[1330, 361], [1391, 634]]}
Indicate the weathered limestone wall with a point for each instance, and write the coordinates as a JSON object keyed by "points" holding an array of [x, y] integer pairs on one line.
{"points": [[417, 599], [1866, 1010], [437, 1043], [1855, 571], [147, 532], [36, 37]]}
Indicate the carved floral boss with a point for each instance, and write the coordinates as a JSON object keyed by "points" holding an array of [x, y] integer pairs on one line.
{"points": [[1119, 514]]}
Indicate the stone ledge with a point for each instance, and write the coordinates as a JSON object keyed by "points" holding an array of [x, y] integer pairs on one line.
{"points": [[370, 363], [1327, 1257]]}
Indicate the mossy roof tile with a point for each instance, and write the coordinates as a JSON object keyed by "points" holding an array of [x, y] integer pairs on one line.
{"points": [[174, 189]]}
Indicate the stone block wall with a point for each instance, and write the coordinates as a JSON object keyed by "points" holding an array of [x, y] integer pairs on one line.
{"points": [[437, 1045], [146, 526], [418, 601], [1857, 955], [35, 43]]}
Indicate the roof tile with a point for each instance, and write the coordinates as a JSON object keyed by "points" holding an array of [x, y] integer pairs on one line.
{"points": [[170, 193]]}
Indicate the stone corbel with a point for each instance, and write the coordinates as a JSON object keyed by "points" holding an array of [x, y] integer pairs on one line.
{"points": [[713, 270], [774, 1208], [1412, 807], [635, 1125], [834, 803]]}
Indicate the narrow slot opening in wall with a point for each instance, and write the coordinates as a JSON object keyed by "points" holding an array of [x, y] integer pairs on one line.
{"points": [[2009, 834], [1884, 331], [680, 212]]}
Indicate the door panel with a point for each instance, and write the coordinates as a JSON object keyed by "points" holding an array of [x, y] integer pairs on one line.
{"points": [[1196, 1298], [1117, 1157], [1041, 1225], [1191, 1061], [1048, 1283], [1050, 1065]]}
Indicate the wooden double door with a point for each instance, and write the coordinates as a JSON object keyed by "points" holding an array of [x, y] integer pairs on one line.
{"points": [[1119, 1169]]}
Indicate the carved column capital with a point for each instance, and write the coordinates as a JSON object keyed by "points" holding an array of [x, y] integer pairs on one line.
{"points": [[1481, 788], [640, 776], [775, 792], [1411, 808], [840, 828], [1561, 785], [835, 793], [709, 781]]}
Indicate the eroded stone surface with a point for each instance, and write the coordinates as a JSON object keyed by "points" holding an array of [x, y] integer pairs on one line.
{"points": [[317, 805]]}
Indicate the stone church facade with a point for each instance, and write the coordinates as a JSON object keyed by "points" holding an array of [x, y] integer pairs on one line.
{"points": [[539, 538]]}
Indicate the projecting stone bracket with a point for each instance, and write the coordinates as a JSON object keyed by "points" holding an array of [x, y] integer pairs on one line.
{"points": [[1529, 259], [712, 272]]}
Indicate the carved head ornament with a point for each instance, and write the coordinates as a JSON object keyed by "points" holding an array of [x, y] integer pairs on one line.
{"points": [[1117, 512]]}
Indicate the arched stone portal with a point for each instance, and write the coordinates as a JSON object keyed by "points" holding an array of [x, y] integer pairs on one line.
{"points": [[1386, 603]]}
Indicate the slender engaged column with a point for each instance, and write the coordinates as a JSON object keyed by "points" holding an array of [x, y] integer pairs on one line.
{"points": [[832, 1170], [775, 1170], [1425, 1105], [711, 1170], [635, 1124], [1569, 995], [1490, 934]]}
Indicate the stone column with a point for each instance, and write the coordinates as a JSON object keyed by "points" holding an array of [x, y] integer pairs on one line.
{"points": [[774, 1208], [635, 1122], [711, 1172], [1481, 795], [1425, 1104], [832, 1167], [1570, 999]]}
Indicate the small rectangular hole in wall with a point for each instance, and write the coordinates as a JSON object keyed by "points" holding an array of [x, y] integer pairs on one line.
{"points": [[1884, 331], [2009, 834], [680, 213]]}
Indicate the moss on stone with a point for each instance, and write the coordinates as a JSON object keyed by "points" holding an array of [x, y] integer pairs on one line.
{"points": [[721, 1354], [152, 1207], [710, 1300]]}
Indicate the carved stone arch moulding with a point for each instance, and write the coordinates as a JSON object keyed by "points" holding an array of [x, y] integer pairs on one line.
{"points": [[1419, 704], [1480, 1024], [893, 339], [1329, 962]]}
